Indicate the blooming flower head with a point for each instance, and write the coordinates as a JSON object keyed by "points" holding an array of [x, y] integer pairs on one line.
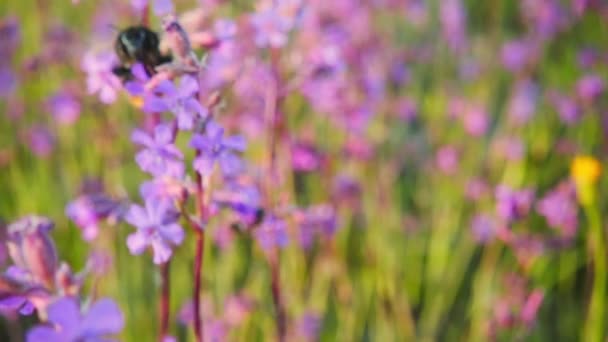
{"points": [[244, 200], [88, 210], [305, 157], [319, 220], [160, 155], [214, 148], [512, 204], [475, 120], [181, 101], [523, 102], [272, 233], [40, 140], [68, 324], [590, 87], [100, 79], [516, 55], [560, 209], [64, 107], [159, 7], [567, 108], [157, 227]]}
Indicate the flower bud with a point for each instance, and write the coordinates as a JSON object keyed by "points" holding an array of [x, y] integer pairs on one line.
{"points": [[32, 249], [67, 283]]}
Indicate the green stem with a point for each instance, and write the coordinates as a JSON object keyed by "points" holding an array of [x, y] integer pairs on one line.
{"points": [[594, 326]]}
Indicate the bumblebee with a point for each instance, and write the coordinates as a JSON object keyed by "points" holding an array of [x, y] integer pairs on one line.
{"points": [[138, 44]]}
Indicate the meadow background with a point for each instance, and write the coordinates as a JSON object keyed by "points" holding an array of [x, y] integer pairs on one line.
{"points": [[458, 214]]}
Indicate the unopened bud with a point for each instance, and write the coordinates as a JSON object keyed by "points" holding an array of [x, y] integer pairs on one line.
{"points": [[67, 283], [32, 249]]}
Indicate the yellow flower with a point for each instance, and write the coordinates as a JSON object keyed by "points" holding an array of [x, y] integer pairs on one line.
{"points": [[585, 170], [136, 101]]}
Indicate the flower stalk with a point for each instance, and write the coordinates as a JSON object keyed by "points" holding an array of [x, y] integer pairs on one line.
{"points": [[165, 310]]}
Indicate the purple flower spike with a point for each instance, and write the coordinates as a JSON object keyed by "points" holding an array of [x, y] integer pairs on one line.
{"points": [[160, 157], [102, 319], [216, 148], [156, 227]]}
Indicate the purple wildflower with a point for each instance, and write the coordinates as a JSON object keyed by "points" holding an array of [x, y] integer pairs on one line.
{"points": [[40, 141], [530, 308], [160, 157], [516, 55], [512, 204], [272, 233], [100, 78], [447, 159], [159, 7], [589, 87], [215, 148], [476, 121], [567, 108], [103, 318], [157, 227], [523, 102], [272, 27], [305, 157], [165, 188], [309, 326], [244, 199], [180, 100], [406, 109], [484, 228], [10, 36], [453, 18], [64, 107], [8, 82], [560, 209], [319, 220], [223, 65], [87, 212]]}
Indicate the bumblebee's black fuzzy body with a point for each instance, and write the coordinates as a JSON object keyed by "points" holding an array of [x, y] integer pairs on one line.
{"points": [[138, 44]]}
